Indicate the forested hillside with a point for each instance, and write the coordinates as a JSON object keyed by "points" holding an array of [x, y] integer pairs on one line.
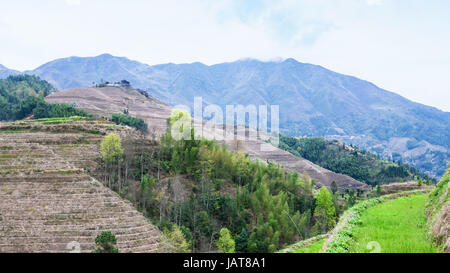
{"points": [[197, 188], [23, 95], [362, 165]]}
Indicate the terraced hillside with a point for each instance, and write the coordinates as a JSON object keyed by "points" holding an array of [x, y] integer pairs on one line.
{"points": [[48, 198], [107, 100], [293, 163]]}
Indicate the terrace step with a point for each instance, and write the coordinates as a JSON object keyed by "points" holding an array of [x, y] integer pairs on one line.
{"points": [[48, 200]]}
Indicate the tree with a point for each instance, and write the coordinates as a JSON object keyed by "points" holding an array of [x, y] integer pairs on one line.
{"points": [[334, 187], [242, 241], [111, 148], [378, 190], [420, 182], [351, 198], [225, 243], [147, 184], [324, 213], [180, 123], [126, 119], [175, 241], [105, 243]]}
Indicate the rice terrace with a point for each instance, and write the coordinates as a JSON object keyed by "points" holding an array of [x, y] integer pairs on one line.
{"points": [[238, 135]]}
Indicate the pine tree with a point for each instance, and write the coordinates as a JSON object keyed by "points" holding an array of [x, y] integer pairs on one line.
{"points": [[334, 187], [242, 241], [378, 190]]}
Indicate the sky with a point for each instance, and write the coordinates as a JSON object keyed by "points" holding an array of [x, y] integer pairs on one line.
{"points": [[400, 45]]}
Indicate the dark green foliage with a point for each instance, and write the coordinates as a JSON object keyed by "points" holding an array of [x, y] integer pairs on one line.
{"points": [[106, 242], [47, 110], [125, 119], [269, 201], [22, 96], [361, 165], [22, 86], [351, 198], [378, 190], [242, 241], [334, 187]]}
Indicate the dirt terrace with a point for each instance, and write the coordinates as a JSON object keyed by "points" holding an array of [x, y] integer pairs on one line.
{"points": [[48, 199], [108, 100]]}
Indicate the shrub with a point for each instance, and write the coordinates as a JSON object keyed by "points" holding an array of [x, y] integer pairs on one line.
{"points": [[106, 242], [125, 119]]}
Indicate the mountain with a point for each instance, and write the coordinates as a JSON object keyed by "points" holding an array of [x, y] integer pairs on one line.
{"points": [[6, 72], [75, 72], [313, 100]]}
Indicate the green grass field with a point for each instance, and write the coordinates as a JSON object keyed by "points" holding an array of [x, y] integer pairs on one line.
{"points": [[46, 121], [398, 226], [311, 248]]}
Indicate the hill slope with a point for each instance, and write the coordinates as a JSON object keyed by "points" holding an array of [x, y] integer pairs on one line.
{"points": [[108, 100], [359, 164], [313, 101], [49, 199], [438, 213]]}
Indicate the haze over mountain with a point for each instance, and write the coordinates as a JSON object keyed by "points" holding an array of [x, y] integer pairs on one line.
{"points": [[5, 72], [313, 101]]}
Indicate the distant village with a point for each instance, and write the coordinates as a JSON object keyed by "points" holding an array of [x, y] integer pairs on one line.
{"points": [[122, 83]]}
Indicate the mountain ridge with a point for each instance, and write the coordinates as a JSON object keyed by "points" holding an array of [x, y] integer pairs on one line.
{"points": [[313, 100], [5, 72]]}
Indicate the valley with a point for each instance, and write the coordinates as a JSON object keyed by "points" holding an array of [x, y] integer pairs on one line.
{"points": [[72, 172]]}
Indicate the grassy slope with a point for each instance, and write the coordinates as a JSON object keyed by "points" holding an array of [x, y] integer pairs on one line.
{"points": [[439, 196], [312, 248], [397, 225]]}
